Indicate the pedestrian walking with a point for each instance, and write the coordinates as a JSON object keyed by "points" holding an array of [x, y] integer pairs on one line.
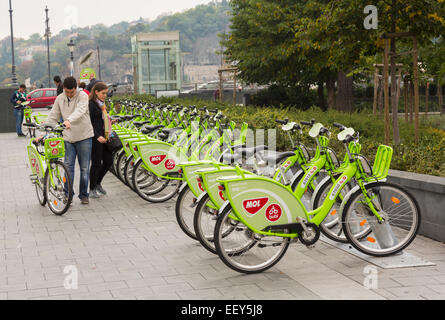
{"points": [[72, 105], [17, 97], [59, 85], [101, 157]]}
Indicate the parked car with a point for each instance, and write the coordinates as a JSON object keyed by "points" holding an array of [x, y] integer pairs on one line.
{"points": [[41, 98]]}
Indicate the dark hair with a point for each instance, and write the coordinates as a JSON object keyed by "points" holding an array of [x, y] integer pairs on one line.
{"points": [[99, 86], [57, 79], [70, 83], [22, 86], [82, 85]]}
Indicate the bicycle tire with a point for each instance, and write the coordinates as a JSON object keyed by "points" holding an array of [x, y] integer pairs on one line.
{"points": [[66, 199], [373, 239], [40, 187], [128, 172], [179, 212], [229, 259]]}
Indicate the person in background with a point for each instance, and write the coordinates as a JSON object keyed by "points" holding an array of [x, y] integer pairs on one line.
{"points": [[59, 85], [17, 97], [101, 157], [93, 81], [82, 86], [72, 105]]}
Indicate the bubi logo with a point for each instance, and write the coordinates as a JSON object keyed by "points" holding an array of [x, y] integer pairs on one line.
{"points": [[221, 196], [170, 164], [157, 159], [273, 212], [254, 205], [200, 185], [337, 186]]}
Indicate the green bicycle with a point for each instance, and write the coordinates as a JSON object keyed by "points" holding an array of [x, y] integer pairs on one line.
{"points": [[378, 218], [50, 175]]}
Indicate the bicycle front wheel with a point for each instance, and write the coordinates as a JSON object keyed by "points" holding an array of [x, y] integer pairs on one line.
{"points": [[184, 209], [401, 219], [245, 251], [58, 187]]}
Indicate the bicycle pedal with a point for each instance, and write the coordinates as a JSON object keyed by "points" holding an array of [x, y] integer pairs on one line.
{"points": [[33, 178]]}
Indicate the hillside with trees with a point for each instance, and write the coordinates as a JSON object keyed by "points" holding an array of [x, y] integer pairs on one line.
{"points": [[199, 28]]}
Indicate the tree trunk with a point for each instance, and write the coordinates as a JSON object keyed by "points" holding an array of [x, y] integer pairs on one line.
{"points": [[439, 94], [405, 98], [411, 107], [344, 94], [330, 86], [394, 101], [321, 99], [380, 100], [376, 87], [427, 95]]}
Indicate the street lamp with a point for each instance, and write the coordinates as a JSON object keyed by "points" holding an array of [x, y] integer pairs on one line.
{"points": [[47, 35], [71, 46], [14, 77]]}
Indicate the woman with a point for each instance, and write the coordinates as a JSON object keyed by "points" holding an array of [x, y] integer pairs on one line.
{"points": [[101, 158]]}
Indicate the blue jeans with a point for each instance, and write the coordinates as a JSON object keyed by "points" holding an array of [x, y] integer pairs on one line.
{"points": [[81, 149], [18, 114]]}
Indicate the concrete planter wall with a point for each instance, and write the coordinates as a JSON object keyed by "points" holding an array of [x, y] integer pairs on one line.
{"points": [[429, 192], [7, 119]]}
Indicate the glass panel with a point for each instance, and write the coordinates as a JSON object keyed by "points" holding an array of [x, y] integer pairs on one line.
{"points": [[157, 65], [144, 65], [171, 65], [37, 94], [155, 87]]}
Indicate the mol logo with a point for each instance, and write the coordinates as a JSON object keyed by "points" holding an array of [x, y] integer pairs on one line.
{"points": [[170, 164], [273, 212], [157, 159], [254, 205]]}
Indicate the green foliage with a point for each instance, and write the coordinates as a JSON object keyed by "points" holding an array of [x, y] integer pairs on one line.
{"points": [[428, 157], [299, 97]]}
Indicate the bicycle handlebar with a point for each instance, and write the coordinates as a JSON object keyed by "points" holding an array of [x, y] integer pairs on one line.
{"points": [[306, 123], [338, 125]]}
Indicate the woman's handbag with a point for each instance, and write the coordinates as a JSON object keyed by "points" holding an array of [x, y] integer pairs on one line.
{"points": [[114, 143]]}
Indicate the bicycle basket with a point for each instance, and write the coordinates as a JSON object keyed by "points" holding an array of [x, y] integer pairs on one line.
{"points": [[54, 148], [382, 162]]}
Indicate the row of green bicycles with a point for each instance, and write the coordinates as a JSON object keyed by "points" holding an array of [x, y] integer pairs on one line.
{"points": [[248, 204]]}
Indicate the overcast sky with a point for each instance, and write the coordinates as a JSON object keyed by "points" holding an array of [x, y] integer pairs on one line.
{"points": [[29, 16]]}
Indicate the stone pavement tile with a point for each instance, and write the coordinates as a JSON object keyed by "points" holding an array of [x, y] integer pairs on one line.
{"points": [[420, 292], [62, 291], [3, 296], [188, 278], [27, 294], [239, 289], [170, 288], [166, 296], [106, 286], [13, 287], [103, 295], [58, 297], [270, 295], [203, 294], [302, 293], [382, 281], [439, 288], [146, 282], [415, 281], [131, 292]]}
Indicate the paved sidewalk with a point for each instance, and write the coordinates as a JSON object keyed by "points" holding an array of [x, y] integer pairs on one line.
{"points": [[126, 248]]}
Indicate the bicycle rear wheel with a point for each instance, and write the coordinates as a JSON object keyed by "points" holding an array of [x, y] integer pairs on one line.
{"points": [[184, 211], [395, 205], [245, 251], [58, 187], [40, 187]]}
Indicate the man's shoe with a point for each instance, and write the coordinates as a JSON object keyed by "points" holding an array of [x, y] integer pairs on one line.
{"points": [[84, 201], [101, 190], [94, 194], [22, 135]]}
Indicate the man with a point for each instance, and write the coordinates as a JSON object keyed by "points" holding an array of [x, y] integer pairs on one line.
{"points": [[18, 97], [59, 85], [72, 105], [93, 81]]}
